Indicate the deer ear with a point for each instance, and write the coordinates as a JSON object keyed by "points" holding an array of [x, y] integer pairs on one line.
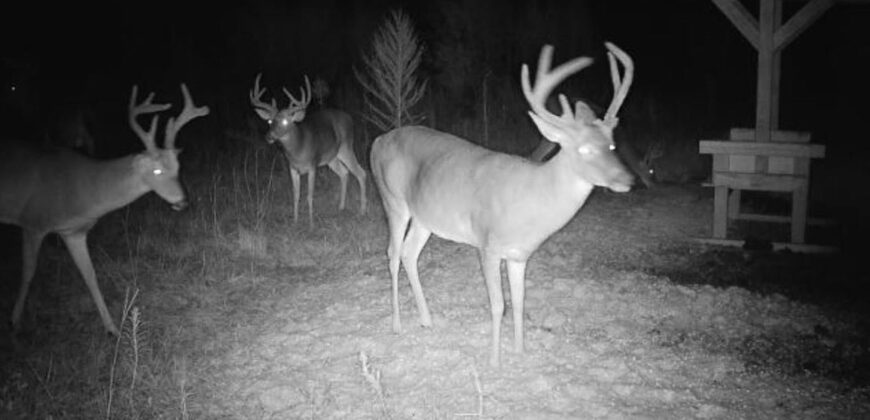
{"points": [[298, 116], [548, 130], [583, 112], [263, 114]]}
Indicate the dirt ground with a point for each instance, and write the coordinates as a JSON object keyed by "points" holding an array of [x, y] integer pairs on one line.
{"points": [[626, 318]]}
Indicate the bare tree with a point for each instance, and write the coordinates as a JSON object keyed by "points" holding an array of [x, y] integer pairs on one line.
{"points": [[388, 75]]}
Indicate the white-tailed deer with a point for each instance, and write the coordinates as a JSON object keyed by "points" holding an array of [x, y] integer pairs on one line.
{"points": [[504, 205], [63, 192], [311, 140]]}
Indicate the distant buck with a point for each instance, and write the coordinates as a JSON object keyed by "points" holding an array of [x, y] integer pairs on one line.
{"points": [[311, 140], [504, 205], [64, 192]]}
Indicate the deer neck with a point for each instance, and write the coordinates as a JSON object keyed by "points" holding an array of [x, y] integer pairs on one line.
{"points": [[564, 190], [558, 193], [294, 141], [117, 182]]}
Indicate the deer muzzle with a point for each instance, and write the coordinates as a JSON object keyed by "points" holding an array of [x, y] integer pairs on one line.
{"points": [[180, 205]]}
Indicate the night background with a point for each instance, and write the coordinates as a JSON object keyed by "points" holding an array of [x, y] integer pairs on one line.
{"points": [[693, 67], [258, 316]]}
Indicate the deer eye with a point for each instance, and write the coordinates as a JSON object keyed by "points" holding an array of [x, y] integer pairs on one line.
{"points": [[612, 147], [584, 150], [158, 171], [284, 122]]}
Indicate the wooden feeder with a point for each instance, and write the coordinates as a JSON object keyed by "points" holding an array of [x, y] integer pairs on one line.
{"points": [[765, 158], [781, 165]]}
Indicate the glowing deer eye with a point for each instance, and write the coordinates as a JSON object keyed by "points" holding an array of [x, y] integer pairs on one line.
{"points": [[612, 147], [158, 171], [284, 122], [584, 150]]}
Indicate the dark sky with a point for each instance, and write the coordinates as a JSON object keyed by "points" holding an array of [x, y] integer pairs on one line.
{"points": [[687, 53]]}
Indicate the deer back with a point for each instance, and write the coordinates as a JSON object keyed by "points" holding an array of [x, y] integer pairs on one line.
{"points": [[468, 194]]}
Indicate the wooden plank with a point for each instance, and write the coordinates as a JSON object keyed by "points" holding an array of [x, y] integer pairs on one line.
{"points": [[780, 136], [798, 23], [742, 164], [740, 18], [756, 148], [780, 165], [773, 218], [721, 162], [777, 246], [758, 182]]}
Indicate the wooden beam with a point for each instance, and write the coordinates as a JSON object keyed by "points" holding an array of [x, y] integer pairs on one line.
{"points": [[798, 23], [776, 70], [763, 90], [740, 18], [752, 148], [783, 136], [772, 218], [777, 246], [758, 182]]}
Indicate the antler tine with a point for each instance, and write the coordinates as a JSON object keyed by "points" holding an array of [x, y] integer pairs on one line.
{"points": [[307, 97], [146, 107], [188, 113], [255, 95], [546, 80], [620, 87]]}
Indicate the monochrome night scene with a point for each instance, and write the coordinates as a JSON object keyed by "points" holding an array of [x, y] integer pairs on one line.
{"points": [[542, 209]]}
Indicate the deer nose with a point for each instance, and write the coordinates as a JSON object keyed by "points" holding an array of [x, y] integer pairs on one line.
{"points": [[622, 183], [179, 205]]}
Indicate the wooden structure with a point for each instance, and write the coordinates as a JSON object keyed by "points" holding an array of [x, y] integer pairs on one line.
{"points": [[764, 158], [781, 165]]}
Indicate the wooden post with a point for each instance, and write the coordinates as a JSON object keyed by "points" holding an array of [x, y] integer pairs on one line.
{"points": [[764, 86]]}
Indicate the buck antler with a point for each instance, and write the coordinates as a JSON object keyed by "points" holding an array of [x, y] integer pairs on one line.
{"points": [[620, 87], [297, 104], [255, 94], [146, 107], [188, 113], [546, 80]]}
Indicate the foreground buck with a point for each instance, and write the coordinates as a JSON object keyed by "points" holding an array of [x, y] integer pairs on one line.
{"points": [[505, 206], [311, 140], [61, 191]]}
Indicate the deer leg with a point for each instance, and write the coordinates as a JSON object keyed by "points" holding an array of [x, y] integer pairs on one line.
{"points": [[491, 266], [517, 276], [397, 219], [30, 244], [311, 175], [78, 247], [349, 160], [341, 171], [294, 177], [414, 242]]}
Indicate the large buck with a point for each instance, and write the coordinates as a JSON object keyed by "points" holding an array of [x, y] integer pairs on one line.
{"points": [[311, 140], [61, 191], [504, 205]]}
